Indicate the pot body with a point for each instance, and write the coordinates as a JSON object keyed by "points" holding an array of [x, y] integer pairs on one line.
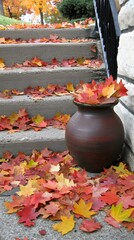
{"points": [[95, 136]]}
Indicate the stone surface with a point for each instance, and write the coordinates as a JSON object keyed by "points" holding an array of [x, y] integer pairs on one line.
{"points": [[22, 78], [46, 106], [123, 1], [129, 158], [68, 33], [125, 56], [11, 229], [128, 122], [126, 15], [129, 99], [26, 141], [45, 51]]}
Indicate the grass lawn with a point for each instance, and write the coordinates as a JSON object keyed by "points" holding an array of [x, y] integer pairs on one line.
{"points": [[8, 21]]}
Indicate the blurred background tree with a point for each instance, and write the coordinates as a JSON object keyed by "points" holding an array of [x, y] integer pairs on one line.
{"points": [[43, 8], [75, 9]]}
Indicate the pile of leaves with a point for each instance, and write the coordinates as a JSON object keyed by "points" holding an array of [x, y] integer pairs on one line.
{"points": [[40, 92], [54, 38], [37, 62], [107, 91], [21, 121], [82, 24], [51, 185]]}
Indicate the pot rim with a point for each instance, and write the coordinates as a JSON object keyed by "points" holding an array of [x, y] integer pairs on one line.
{"points": [[101, 105]]}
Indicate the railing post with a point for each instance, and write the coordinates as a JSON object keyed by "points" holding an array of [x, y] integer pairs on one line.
{"points": [[109, 31]]}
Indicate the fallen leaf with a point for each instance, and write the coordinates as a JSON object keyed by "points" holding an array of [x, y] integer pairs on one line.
{"points": [[26, 190], [119, 214], [27, 214], [90, 225], [66, 225], [83, 209], [2, 64], [42, 232], [62, 181], [112, 222]]}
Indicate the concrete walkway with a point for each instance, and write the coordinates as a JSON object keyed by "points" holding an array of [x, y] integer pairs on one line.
{"points": [[10, 229]]}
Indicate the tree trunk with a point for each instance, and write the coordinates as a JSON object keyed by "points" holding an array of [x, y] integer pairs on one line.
{"points": [[1, 8], [9, 12], [41, 17]]}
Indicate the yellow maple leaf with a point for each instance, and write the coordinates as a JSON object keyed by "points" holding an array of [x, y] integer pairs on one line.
{"points": [[3, 160], [120, 215], [13, 117], [32, 164], [38, 119], [21, 168], [66, 225], [62, 181], [83, 209], [108, 91], [2, 64], [70, 87], [121, 169], [80, 61], [26, 190]]}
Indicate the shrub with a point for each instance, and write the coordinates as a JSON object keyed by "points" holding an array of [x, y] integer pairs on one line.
{"points": [[73, 9]]}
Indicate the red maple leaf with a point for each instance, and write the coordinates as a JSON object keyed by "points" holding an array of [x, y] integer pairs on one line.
{"points": [[52, 208], [27, 214], [90, 225], [127, 201], [110, 197], [126, 182], [112, 222], [35, 199], [97, 204]]}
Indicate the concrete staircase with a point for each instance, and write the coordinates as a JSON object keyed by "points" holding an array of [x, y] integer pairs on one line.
{"points": [[20, 78]]}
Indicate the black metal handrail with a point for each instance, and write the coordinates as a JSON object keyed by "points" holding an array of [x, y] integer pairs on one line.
{"points": [[109, 31]]}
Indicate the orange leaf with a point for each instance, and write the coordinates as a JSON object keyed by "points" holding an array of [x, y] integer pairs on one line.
{"points": [[2, 64], [70, 87]]}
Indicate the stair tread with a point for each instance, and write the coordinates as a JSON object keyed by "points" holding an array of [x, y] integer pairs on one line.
{"points": [[48, 133], [47, 106], [47, 69], [39, 33], [49, 44], [26, 141], [21, 77], [46, 52]]}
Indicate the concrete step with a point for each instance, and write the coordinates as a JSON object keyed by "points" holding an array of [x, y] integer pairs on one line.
{"points": [[20, 78], [46, 106], [35, 33], [26, 141], [45, 51]]}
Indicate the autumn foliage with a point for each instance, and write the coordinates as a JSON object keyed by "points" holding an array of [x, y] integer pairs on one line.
{"points": [[21, 121], [107, 91], [15, 8], [51, 185]]}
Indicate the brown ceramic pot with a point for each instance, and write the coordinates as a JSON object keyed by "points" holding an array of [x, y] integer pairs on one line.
{"points": [[95, 136]]}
